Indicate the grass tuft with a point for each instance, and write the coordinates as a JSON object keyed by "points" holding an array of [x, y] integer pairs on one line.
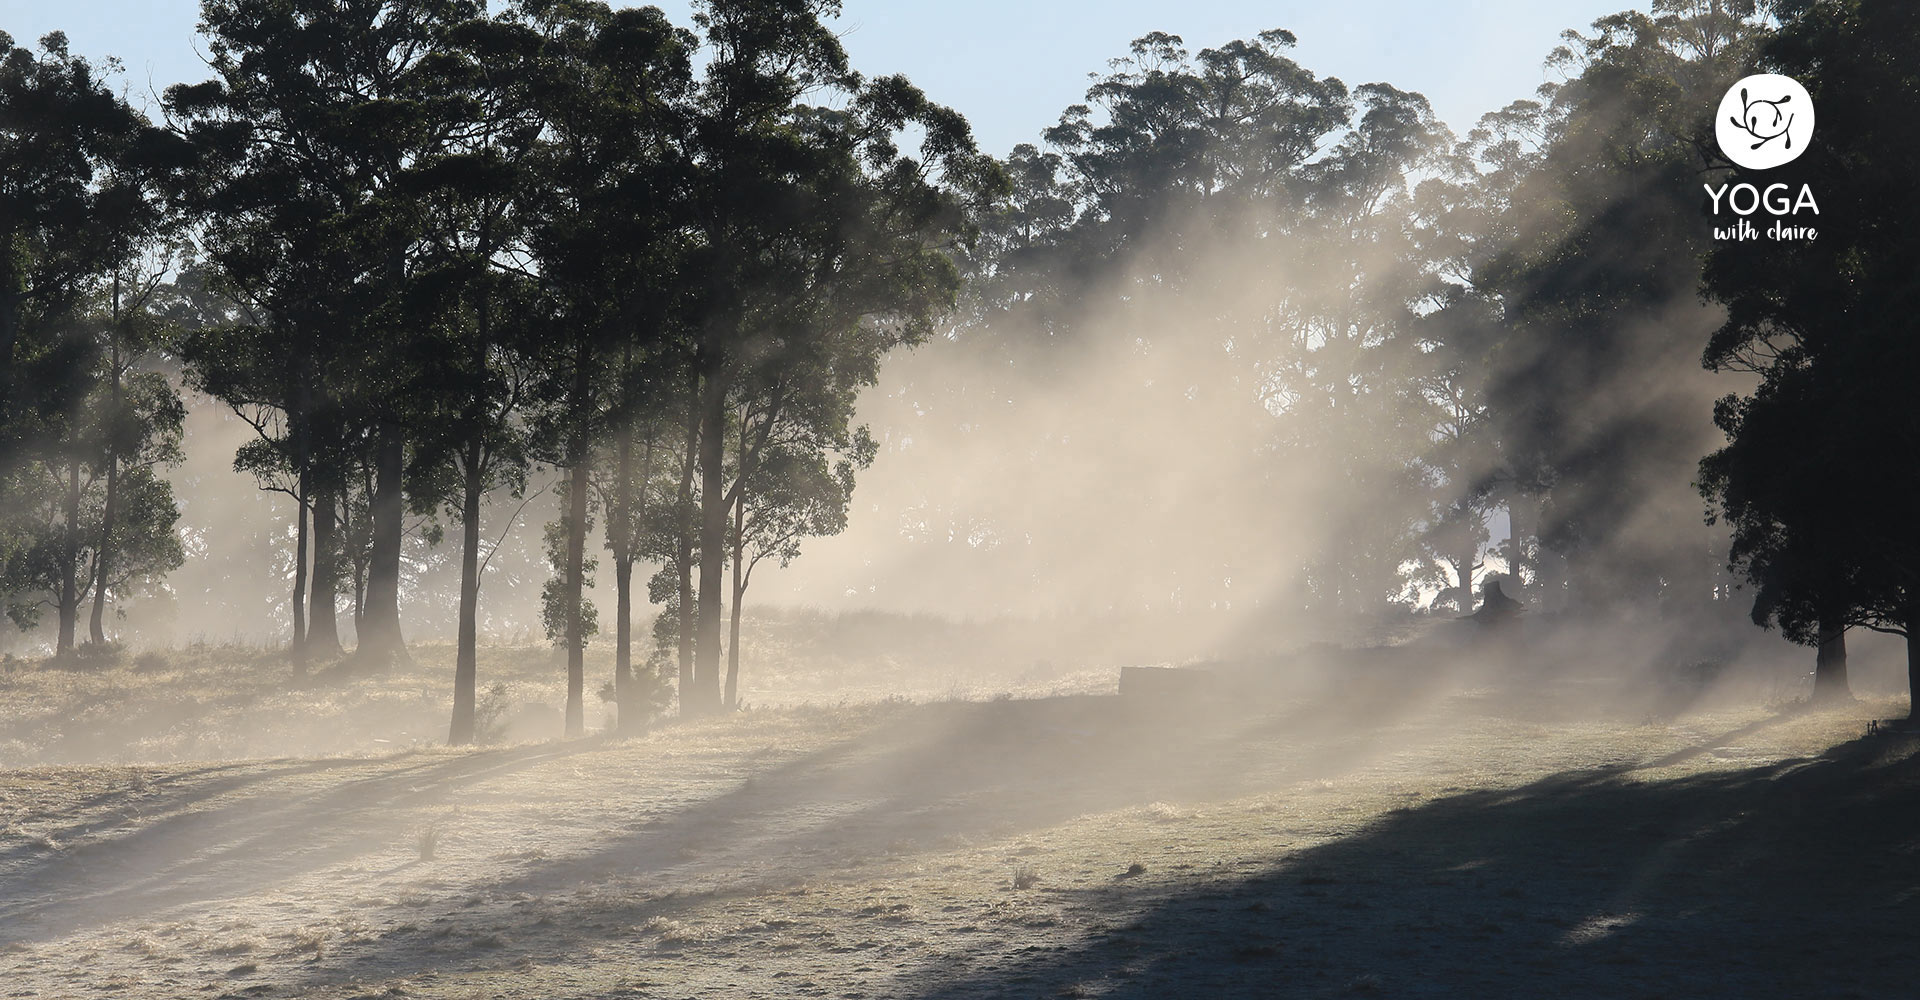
{"points": [[1024, 877]]}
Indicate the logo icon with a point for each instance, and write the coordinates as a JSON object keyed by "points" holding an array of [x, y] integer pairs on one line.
{"points": [[1765, 120]]}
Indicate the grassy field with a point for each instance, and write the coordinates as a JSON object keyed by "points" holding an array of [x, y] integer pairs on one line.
{"points": [[1483, 839], [230, 701]]}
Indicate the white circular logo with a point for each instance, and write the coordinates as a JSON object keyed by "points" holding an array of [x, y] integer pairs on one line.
{"points": [[1764, 121]]}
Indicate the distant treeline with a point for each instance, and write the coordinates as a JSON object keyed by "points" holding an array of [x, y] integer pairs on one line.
{"points": [[422, 250]]}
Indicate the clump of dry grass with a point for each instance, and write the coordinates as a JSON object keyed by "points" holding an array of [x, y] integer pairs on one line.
{"points": [[313, 939], [146, 945], [1165, 812], [1024, 876], [427, 841], [672, 933], [354, 930], [238, 946]]}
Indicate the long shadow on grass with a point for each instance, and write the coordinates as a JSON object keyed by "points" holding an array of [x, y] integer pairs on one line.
{"points": [[254, 842], [931, 776], [175, 792], [954, 773], [1790, 880], [960, 771]]}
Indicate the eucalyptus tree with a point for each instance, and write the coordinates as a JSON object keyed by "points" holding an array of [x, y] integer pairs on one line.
{"points": [[1819, 454], [99, 518], [1176, 157], [1351, 375], [635, 486], [476, 302], [795, 489], [83, 179], [609, 88], [141, 420], [61, 223], [1235, 215], [810, 227], [138, 411], [1595, 267], [792, 451], [317, 128]]}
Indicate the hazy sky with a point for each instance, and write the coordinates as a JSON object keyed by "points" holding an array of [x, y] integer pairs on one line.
{"points": [[1011, 65]]}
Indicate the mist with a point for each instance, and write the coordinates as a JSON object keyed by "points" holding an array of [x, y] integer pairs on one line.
{"points": [[593, 506], [1160, 466]]}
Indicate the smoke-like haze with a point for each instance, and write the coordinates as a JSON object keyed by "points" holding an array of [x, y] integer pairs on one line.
{"points": [[1177, 468]]}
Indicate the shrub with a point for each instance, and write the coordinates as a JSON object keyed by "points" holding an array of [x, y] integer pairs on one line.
{"points": [[490, 715], [99, 652]]}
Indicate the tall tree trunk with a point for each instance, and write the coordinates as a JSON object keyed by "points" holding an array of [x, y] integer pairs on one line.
{"points": [[625, 691], [713, 548], [380, 640], [70, 562], [620, 527], [1553, 580], [359, 596], [579, 481], [359, 562], [1830, 664], [1522, 512], [10, 298], [730, 700], [323, 624], [299, 649], [684, 554], [633, 712], [299, 419], [577, 486], [1463, 585], [466, 659], [110, 511], [96, 622], [1912, 625], [12, 295]]}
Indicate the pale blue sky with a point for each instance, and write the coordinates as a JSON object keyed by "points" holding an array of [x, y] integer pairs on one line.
{"points": [[1011, 66]]}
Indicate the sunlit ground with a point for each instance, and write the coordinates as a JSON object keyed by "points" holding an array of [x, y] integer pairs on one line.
{"points": [[1491, 839]]}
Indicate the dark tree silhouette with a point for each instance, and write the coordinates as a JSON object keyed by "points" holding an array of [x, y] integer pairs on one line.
{"points": [[1816, 455], [321, 133], [83, 178], [810, 227], [609, 88]]}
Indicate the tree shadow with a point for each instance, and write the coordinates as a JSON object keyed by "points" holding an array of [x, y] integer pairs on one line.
{"points": [[201, 855], [1787, 880], [933, 776], [175, 791]]}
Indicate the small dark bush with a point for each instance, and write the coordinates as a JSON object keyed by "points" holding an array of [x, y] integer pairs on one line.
{"points": [[490, 715], [99, 652]]}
